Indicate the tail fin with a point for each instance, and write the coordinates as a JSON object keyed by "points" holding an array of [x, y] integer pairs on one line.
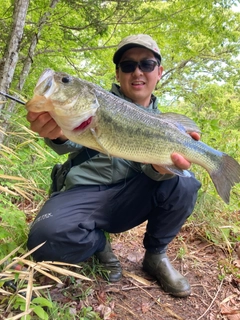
{"points": [[226, 176]]}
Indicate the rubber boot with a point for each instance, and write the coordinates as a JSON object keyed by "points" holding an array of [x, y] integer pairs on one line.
{"points": [[171, 281], [110, 262]]}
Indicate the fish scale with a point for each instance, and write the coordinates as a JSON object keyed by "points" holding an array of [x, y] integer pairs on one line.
{"points": [[97, 119]]}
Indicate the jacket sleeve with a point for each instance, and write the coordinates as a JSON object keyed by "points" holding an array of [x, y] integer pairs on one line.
{"points": [[149, 171], [63, 147]]}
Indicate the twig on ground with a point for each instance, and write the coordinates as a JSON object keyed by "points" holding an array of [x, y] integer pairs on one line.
{"points": [[20, 315], [204, 287], [168, 310], [135, 287], [206, 311], [128, 310], [201, 298]]}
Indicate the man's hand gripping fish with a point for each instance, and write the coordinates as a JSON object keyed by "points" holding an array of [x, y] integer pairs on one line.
{"points": [[97, 119]]}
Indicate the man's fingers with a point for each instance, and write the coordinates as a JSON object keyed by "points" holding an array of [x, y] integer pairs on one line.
{"points": [[43, 124], [195, 135], [180, 162], [32, 116]]}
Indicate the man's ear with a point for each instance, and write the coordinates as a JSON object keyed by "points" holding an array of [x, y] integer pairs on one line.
{"points": [[117, 74], [160, 71]]}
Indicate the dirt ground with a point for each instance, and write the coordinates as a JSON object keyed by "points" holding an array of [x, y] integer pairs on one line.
{"points": [[214, 278], [213, 272]]}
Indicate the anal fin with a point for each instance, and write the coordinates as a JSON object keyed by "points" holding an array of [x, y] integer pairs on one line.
{"points": [[177, 171]]}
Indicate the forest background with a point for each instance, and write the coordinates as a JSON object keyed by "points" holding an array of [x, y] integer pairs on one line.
{"points": [[200, 45]]}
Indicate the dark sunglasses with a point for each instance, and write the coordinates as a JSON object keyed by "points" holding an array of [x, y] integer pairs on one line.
{"points": [[129, 66]]}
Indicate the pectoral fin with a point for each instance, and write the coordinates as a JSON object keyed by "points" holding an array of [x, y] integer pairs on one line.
{"points": [[99, 142]]}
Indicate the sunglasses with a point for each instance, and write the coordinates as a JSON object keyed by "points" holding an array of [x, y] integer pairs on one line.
{"points": [[129, 66]]}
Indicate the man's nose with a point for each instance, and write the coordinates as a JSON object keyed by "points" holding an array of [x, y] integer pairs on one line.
{"points": [[138, 70]]}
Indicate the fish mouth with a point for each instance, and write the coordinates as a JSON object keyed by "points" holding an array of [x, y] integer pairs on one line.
{"points": [[84, 124], [46, 84], [46, 75]]}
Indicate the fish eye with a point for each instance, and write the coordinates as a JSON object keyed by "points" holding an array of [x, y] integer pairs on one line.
{"points": [[65, 79]]}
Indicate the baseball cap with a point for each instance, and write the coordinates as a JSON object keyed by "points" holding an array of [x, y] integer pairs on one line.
{"points": [[139, 40]]}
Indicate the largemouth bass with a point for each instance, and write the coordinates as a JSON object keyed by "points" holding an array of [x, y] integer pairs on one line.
{"points": [[97, 119]]}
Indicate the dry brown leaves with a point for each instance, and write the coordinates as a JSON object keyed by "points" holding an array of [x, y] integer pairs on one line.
{"points": [[26, 274]]}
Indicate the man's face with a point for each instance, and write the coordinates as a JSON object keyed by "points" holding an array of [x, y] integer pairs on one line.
{"points": [[138, 85]]}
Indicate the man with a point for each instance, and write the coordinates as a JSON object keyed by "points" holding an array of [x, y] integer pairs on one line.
{"points": [[115, 195]]}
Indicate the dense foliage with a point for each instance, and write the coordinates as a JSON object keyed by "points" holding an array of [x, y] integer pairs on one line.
{"points": [[200, 45]]}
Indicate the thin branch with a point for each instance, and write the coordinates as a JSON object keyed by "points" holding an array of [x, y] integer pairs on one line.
{"points": [[219, 288]]}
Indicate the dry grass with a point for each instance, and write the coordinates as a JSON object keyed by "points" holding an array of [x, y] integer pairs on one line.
{"points": [[25, 269]]}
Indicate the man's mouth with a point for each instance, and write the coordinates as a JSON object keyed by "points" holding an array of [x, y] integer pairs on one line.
{"points": [[83, 125], [138, 83]]}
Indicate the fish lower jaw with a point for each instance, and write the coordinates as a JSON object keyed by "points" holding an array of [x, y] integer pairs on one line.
{"points": [[84, 125]]}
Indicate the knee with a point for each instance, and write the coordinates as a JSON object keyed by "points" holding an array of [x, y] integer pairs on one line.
{"points": [[41, 251], [189, 186], [41, 237], [178, 191]]}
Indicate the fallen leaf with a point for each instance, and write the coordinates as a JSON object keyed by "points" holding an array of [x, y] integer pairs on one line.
{"points": [[229, 312], [105, 312], [137, 278], [228, 298], [135, 256], [145, 307], [237, 249], [236, 263]]}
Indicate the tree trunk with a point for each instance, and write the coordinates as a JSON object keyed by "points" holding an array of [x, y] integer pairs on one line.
{"points": [[10, 57], [28, 61], [26, 66]]}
